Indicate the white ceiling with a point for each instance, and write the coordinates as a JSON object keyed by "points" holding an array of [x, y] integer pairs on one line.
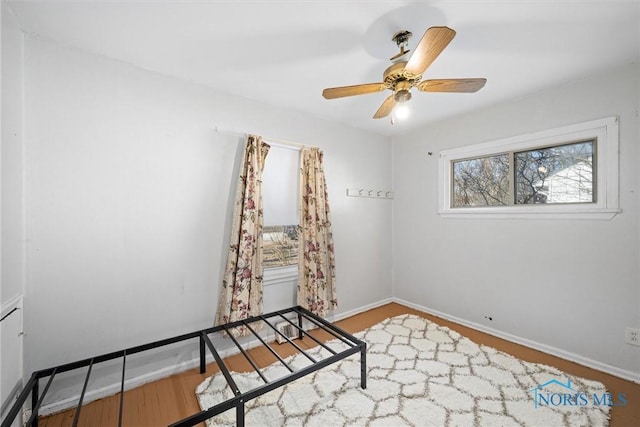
{"points": [[285, 52]]}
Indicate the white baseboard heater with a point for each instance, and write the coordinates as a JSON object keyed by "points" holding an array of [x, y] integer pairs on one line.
{"points": [[288, 330]]}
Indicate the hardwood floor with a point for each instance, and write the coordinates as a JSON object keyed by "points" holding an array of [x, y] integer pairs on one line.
{"points": [[168, 400]]}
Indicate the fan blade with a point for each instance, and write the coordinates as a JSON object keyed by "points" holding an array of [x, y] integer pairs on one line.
{"points": [[433, 42], [385, 108], [339, 92], [452, 85]]}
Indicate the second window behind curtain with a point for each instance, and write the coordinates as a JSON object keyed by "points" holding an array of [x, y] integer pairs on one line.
{"points": [[280, 186]]}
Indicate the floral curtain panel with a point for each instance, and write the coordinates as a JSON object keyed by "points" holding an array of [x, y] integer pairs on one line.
{"points": [[316, 271], [241, 295]]}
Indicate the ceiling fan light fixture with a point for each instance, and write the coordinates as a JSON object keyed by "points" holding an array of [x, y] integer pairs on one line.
{"points": [[403, 95], [401, 111]]}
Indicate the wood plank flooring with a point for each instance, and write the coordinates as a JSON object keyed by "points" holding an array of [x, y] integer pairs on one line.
{"points": [[165, 401]]}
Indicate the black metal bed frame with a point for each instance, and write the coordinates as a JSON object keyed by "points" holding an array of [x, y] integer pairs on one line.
{"points": [[239, 399]]}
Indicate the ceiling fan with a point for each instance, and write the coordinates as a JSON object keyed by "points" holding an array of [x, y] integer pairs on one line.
{"points": [[403, 75]]}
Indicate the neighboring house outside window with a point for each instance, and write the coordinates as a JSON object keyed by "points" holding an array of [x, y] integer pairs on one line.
{"points": [[572, 184]]}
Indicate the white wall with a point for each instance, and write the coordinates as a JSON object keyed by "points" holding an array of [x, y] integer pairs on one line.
{"points": [[128, 195], [12, 191], [571, 285], [12, 159]]}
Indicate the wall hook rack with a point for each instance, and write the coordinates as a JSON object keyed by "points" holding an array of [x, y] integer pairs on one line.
{"points": [[365, 192]]}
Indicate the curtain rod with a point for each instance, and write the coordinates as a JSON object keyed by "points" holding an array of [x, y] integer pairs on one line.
{"points": [[283, 143]]}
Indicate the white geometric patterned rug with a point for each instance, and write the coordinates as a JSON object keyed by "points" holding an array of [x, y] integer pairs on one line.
{"points": [[419, 374]]}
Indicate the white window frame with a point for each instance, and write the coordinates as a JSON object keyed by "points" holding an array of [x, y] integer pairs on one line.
{"points": [[604, 131]]}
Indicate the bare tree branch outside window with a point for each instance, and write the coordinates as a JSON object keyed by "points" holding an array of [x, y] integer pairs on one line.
{"points": [[481, 182]]}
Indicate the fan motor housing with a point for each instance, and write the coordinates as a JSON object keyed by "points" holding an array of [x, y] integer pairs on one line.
{"points": [[396, 73]]}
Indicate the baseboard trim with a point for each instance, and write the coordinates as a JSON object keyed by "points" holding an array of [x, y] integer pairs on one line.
{"points": [[343, 315], [554, 351]]}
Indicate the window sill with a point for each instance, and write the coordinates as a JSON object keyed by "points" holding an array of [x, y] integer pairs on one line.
{"points": [[546, 212], [277, 275]]}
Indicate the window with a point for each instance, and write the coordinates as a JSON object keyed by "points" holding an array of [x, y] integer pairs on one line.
{"points": [[568, 172], [557, 174], [280, 194]]}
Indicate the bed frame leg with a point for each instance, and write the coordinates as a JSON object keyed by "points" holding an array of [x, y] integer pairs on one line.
{"points": [[203, 364], [240, 414], [300, 335], [34, 403], [363, 366]]}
